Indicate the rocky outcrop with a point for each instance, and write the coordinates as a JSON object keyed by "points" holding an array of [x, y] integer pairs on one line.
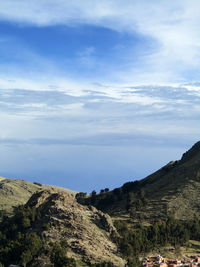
{"points": [[88, 232], [15, 192]]}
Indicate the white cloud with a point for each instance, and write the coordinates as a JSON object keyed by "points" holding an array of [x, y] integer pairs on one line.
{"points": [[174, 27], [125, 109], [102, 109]]}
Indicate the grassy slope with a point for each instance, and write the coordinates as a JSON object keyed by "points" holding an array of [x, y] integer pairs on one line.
{"points": [[14, 192], [174, 189]]}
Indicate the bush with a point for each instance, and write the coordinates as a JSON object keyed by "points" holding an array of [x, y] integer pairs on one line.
{"points": [[58, 257], [103, 264], [39, 184]]}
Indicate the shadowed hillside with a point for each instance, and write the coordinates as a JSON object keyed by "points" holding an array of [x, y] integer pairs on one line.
{"points": [[172, 190]]}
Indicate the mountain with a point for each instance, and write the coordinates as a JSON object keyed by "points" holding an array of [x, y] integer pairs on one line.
{"points": [[55, 217], [52, 225], [175, 188], [172, 190], [15, 192]]}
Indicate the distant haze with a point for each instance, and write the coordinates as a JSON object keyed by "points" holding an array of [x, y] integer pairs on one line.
{"points": [[96, 93]]}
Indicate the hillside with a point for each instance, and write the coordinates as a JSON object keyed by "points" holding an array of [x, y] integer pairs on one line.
{"points": [[55, 216], [159, 211], [175, 188], [172, 190], [14, 192]]}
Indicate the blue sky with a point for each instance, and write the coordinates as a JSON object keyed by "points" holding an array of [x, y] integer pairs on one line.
{"points": [[97, 93]]}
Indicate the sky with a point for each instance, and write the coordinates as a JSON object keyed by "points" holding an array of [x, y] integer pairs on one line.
{"points": [[97, 93]]}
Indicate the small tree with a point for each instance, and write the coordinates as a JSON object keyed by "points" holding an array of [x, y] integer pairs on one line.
{"points": [[58, 257], [93, 193], [81, 195], [130, 200], [93, 197], [33, 243], [26, 257]]}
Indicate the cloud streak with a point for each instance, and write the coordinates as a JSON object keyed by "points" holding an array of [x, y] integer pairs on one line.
{"points": [[98, 114], [104, 140]]}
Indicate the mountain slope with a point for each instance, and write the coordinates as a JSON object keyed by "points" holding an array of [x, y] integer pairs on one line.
{"points": [[88, 234], [14, 192], [172, 190], [175, 188], [56, 217]]}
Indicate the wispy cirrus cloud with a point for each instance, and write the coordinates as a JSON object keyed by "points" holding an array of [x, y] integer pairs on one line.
{"points": [[171, 29]]}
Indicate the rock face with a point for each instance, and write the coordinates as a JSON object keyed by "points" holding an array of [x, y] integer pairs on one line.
{"points": [[87, 231]]}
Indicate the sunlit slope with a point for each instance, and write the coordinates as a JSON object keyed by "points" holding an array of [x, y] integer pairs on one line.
{"points": [[14, 192]]}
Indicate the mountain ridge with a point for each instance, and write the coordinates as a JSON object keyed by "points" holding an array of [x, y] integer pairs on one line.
{"points": [[167, 199], [173, 189]]}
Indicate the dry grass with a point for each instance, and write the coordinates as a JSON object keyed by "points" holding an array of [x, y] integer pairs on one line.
{"points": [[15, 192]]}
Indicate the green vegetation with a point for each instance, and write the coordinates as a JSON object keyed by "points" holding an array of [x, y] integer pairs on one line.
{"points": [[130, 198], [19, 244], [36, 183], [103, 264], [141, 240], [58, 256], [24, 237]]}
